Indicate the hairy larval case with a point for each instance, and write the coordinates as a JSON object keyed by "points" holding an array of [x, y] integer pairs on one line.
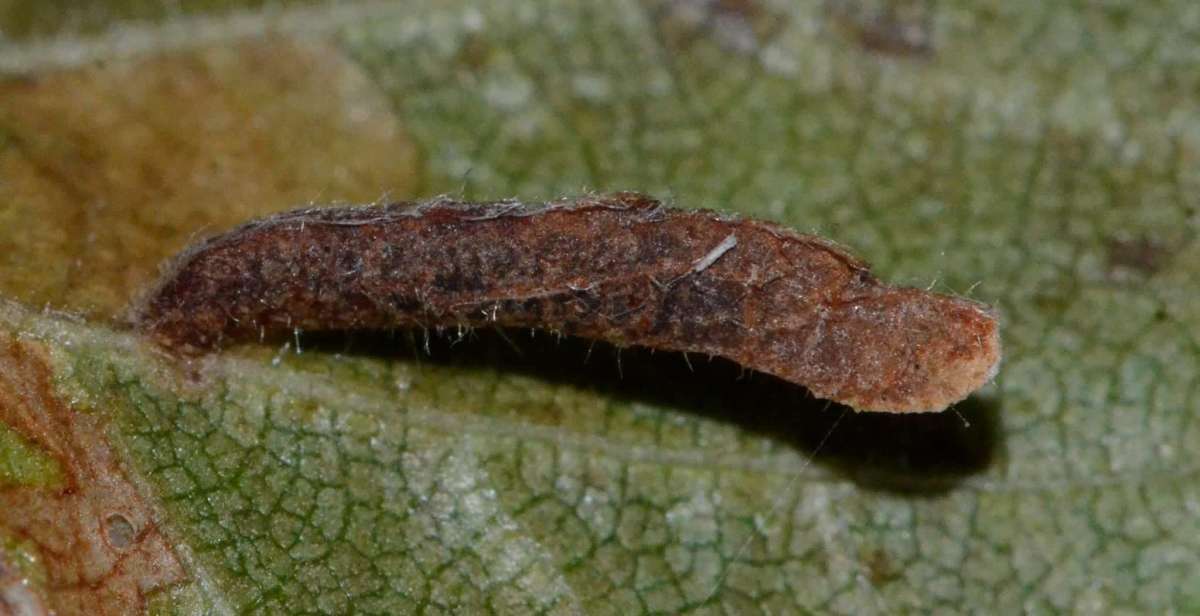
{"points": [[620, 268]]}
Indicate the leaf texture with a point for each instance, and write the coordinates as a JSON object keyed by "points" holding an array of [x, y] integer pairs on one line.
{"points": [[1041, 157]]}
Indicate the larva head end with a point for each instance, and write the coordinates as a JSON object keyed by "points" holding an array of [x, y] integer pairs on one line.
{"points": [[951, 349], [908, 351]]}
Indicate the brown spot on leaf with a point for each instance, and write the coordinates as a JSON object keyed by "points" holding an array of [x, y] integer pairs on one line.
{"points": [[96, 535], [899, 28], [880, 568], [474, 53], [1137, 256], [108, 169]]}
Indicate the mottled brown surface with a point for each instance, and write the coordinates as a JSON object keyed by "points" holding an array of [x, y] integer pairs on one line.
{"points": [[619, 268], [95, 535], [108, 169]]}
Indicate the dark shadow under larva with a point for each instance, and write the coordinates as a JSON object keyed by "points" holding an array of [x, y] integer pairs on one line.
{"points": [[620, 268]]}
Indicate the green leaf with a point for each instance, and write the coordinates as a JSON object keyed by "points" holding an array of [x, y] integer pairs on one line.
{"points": [[23, 465], [1039, 157]]}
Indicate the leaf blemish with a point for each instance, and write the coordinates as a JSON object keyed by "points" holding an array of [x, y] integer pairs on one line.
{"points": [[795, 306], [899, 30], [119, 531], [1142, 256]]}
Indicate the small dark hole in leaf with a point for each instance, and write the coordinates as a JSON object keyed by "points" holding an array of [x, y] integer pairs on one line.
{"points": [[119, 531]]}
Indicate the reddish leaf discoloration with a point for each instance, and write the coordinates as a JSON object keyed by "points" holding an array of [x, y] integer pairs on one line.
{"points": [[619, 268], [97, 537]]}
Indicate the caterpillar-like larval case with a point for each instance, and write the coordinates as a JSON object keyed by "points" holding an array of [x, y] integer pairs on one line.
{"points": [[621, 268]]}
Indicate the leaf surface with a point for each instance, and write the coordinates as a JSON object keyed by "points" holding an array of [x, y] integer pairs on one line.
{"points": [[1039, 157]]}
